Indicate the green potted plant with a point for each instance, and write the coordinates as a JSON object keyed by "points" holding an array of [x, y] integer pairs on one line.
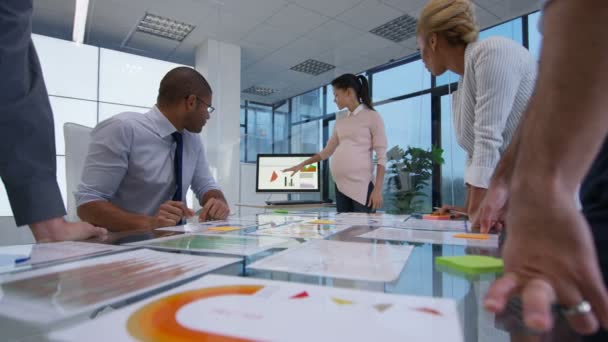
{"points": [[408, 174]]}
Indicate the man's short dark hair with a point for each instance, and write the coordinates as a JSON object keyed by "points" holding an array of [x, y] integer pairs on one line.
{"points": [[180, 83]]}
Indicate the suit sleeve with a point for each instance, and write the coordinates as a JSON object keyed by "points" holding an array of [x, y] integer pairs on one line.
{"points": [[27, 140]]}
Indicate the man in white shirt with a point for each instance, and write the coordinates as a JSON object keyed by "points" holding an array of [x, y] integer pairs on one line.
{"points": [[139, 167]]}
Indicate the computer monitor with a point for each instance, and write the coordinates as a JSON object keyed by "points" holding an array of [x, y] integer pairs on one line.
{"points": [[271, 178]]}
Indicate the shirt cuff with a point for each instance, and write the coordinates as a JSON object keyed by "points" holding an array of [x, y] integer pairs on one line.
{"points": [[200, 195], [478, 176], [36, 202], [84, 197]]}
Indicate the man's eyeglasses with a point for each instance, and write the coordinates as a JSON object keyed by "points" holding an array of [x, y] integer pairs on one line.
{"points": [[210, 108]]}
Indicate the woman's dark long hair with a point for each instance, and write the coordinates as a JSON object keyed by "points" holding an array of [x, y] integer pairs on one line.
{"points": [[358, 84]]}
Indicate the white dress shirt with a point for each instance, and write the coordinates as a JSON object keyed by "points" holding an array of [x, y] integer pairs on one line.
{"points": [[130, 163], [492, 95]]}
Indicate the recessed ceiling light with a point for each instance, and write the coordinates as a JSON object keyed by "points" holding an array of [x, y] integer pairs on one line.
{"points": [[260, 91], [164, 27], [397, 30], [313, 67]]}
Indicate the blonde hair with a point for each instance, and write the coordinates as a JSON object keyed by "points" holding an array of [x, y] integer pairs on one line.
{"points": [[453, 19]]}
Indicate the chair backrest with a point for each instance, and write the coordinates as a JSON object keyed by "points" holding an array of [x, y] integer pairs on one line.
{"points": [[77, 138]]}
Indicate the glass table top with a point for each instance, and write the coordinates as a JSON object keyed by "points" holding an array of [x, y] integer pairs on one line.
{"points": [[420, 277]]}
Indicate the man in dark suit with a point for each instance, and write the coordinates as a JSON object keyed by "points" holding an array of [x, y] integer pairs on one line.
{"points": [[27, 142]]}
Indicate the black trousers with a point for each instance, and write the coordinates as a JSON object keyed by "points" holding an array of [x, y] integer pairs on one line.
{"points": [[345, 204]]}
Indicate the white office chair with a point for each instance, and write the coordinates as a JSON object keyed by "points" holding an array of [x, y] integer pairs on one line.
{"points": [[77, 138]]}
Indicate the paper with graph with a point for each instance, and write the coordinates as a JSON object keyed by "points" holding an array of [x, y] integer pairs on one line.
{"points": [[222, 308], [433, 237], [57, 292], [335, 259]]}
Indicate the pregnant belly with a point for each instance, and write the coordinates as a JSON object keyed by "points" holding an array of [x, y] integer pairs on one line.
{"points": [[345, 164]]}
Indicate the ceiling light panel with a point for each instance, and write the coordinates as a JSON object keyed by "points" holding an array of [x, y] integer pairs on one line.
{"points": [[260, 91], [164, 27], [313, 67], [397, 30]]}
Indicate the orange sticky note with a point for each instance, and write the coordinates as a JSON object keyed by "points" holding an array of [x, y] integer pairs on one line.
{"points": [[436, 217], [224, 229], [472, 236]]}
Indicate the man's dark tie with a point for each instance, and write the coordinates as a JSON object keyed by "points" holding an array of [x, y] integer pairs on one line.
{"points": [[177, 165]]}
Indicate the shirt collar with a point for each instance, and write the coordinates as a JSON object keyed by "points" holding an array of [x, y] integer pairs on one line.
{"points": [[356, 111], [164, 127]]}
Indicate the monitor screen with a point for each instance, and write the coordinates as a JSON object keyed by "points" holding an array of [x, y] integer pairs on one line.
{"points": [[271, 178]]}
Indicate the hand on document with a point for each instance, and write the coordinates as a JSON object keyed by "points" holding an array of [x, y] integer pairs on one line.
{"points": [[550, 259], [171, 213], [214, 209]]}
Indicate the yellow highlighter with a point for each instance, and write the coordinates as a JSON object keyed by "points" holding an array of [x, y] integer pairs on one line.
{"points": [[472, 236], [224, 229], [322, 222]]}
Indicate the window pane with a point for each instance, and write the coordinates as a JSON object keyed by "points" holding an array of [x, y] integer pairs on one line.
{"points": [[408, 124], [331, 183], [281, 135], [243, 137], [511, 29], [243, 115], [404, 79], [329, 98], [448, 77], [307, 137], [259, 131], [535, 39], [453, 190], [307, 106]]}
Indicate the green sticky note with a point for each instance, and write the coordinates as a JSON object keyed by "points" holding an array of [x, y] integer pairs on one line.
{"points": [[281, 212], [472, 264]]}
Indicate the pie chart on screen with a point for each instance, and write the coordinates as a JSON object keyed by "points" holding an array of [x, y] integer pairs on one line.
{"points": [[274, 176]]}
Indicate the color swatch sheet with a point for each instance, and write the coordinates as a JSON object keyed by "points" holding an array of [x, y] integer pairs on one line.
{"points": [[302, 231], [279, 220], [53, 252], [221, 308], [239, 245], [335, 259], [211, 226], [57, 292], [374, 220], [434, 237], [436, 225], [308, 213]]}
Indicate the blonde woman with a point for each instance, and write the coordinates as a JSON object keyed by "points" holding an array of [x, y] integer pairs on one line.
{"points": [[497, 77]]}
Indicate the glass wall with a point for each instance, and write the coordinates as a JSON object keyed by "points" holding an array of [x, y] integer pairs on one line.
{"points": [[404, 79], [407, 124], [535, 38], [259, 130], [453, 190], [307, 106], [281, 128]]}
